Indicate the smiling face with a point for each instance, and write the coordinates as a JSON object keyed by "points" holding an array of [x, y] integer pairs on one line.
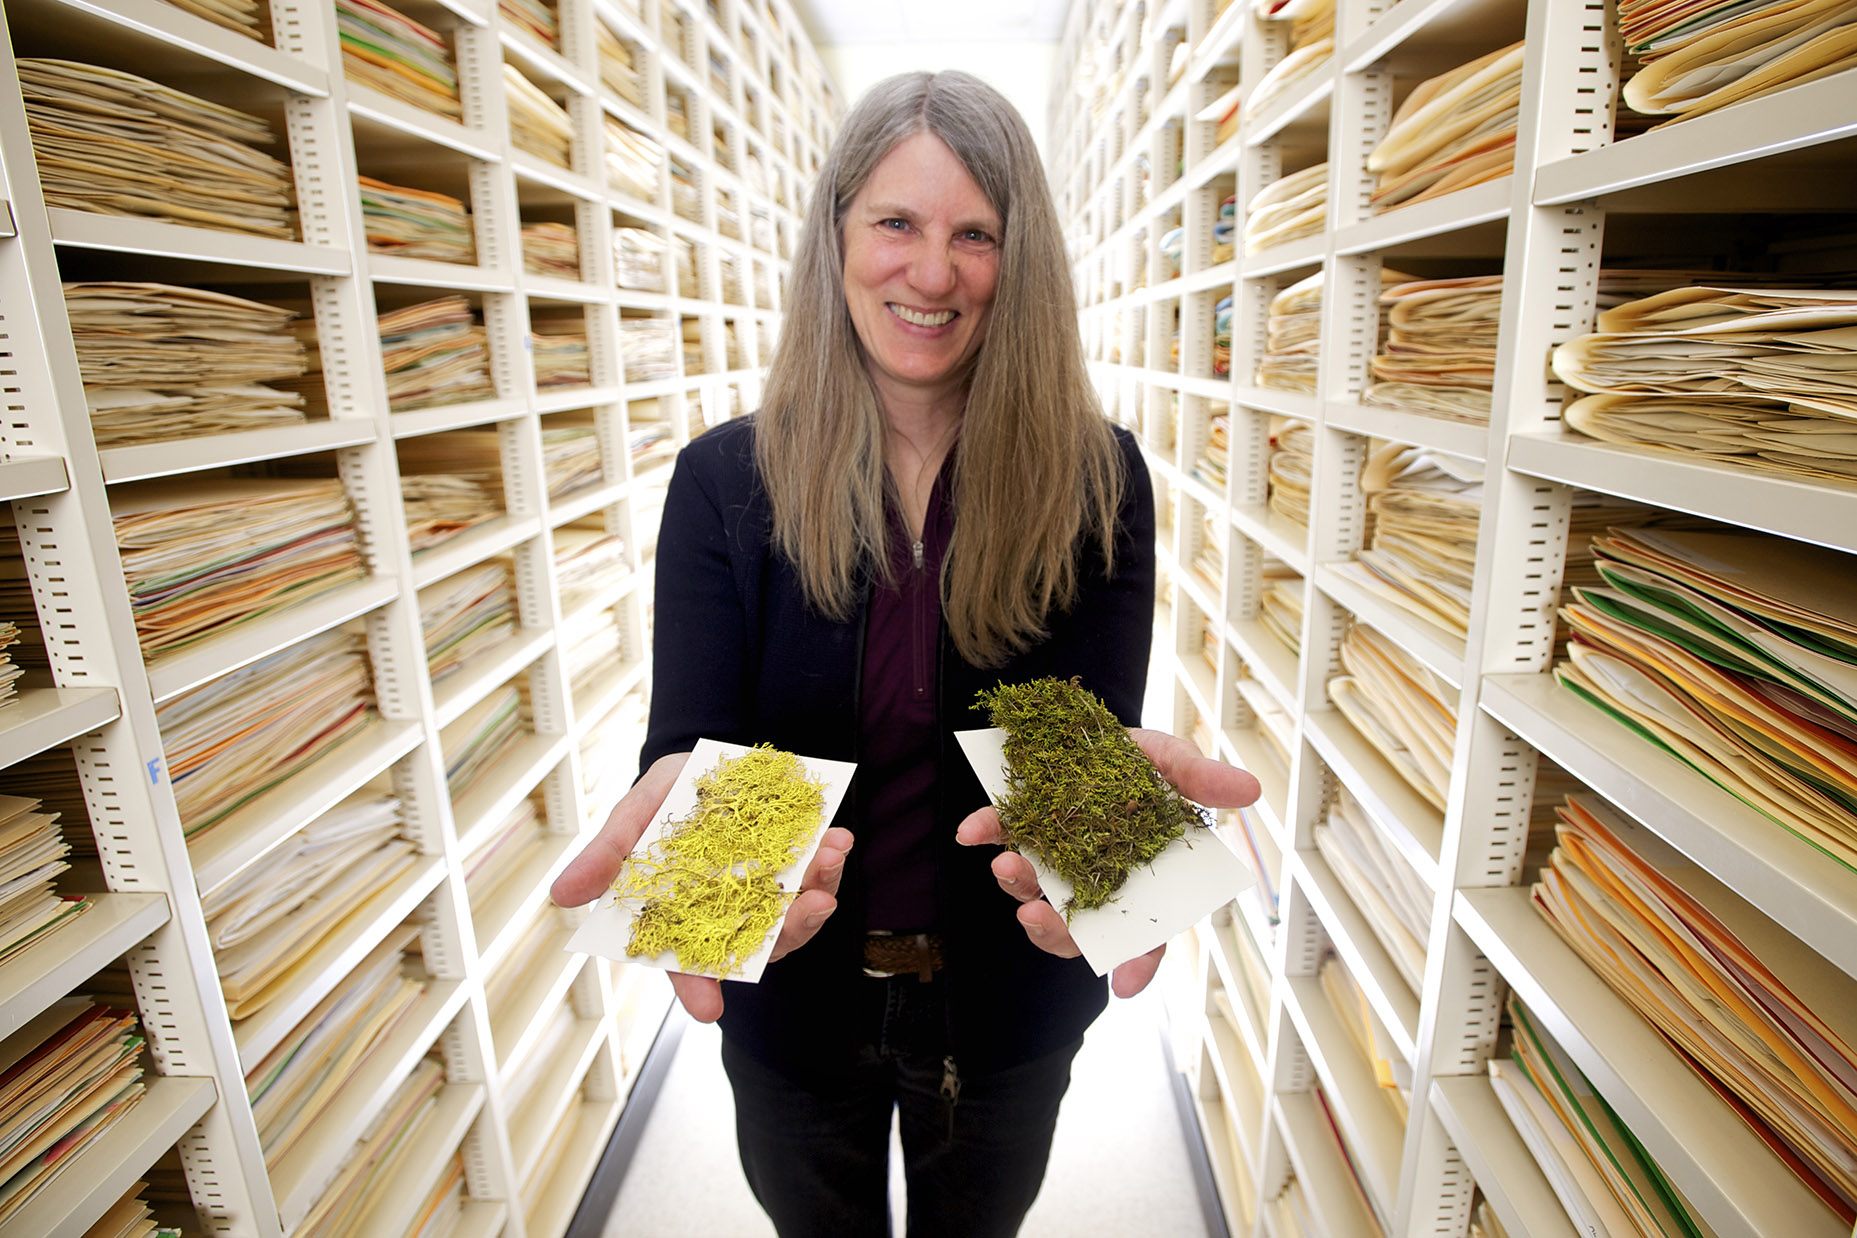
{"points": [[921, 266]]}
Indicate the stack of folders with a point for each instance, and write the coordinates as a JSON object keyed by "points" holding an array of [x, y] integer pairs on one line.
{"points": [[763, 293], [731, 278], [1395, 901], [1287, 209], [1453, 131], [480, 737], [571, 459], [592, 647], [1737, 654], [609, 752], [1484, 1223], [1222, 337], [416, 223], [1292, 337], [649, 346], [551, 249], [1700, 58], [718, 71], [205, 555], [1312, 42], [1209, 557], [558, 346], [440, 506], [434, 353], [1592, 517], [1211, 464], [695, 358], [670, 25], [1270, 722], [638, 259], [1400, 707], [1172, 248], [372, 1179], [537, 124], [9, 671], [1422, 553], [118, 144], [686, 203], [1338, 1143], [1601, 1174], [131, 1217], [244, 16], [1762, 379], [161, 362], [515, 840], [524, 1100], [229, 741], [32, 855], [28, 650], [538, 947], [684, 251], [66, 1077], [1439, 355], [1289, 1212], [587, 561], [465, 614], [633, 162], [1281, 604], [388, 51], [676, 112], [535, 18], [1225, 231], [1349, 1002], [619, 68], [728, 218], [1292, 468], [50, 777], [1765, 1020], [270, 917], [312, 1066]]}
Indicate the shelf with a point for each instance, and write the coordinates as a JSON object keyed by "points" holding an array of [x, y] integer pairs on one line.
{"points": [[25, 477], [487, 670], [553, 1093], [108, 1168], [1327, 1184], [174, 674], [426, 273], [119, 234], [1451, 22], [1375, 1138], [1452, 437], [472, 547], [608, 691], [558, 1197], [1506, 1171], [1286, 403], [1366, 959], [1308, 251], [1231, 1162], [514, 776], [145, 29], [63, 960], [214, 451], [1411, 824], [517, 1027], [524, 893], [1271, 662], [1736, 1182], [1248, 1034], [1453, 212], [1292, 109], [561, 400], [454, 417], [584, 503], [38, 719], [458, 1106], [1440, 651], [1786, 878], [369, 106], [1821, 512], [1277, 534], [557, 289]]}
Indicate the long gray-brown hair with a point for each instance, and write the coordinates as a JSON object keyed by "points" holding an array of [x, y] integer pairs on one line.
{"points": [[1037, 475]]}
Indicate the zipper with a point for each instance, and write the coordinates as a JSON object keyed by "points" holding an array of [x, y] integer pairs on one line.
{"points": [[915, 552]]}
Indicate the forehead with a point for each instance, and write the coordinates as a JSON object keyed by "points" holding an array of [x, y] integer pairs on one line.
{"points": [[921, 175]]}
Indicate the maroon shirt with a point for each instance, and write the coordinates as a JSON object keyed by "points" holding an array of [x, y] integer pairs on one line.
{"points": [[897, 720]]}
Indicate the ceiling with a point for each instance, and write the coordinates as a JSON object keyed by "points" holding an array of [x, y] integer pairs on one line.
{"points": [[839, 22]]}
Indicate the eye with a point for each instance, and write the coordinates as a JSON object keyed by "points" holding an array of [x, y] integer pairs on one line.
{"points": [[976, 236], [893, 225]]}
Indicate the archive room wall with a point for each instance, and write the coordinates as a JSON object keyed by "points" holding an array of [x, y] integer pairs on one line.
{"points": [[347, 346], [1489, 359]]}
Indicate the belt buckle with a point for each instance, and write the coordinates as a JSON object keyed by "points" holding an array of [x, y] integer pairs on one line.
{"points": [[923, 960]]}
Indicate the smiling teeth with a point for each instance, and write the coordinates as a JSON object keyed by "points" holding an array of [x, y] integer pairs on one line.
{"points": [[922, 320]]}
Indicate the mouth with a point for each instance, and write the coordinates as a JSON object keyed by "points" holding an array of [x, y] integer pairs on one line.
{"points": [[915, 318]]}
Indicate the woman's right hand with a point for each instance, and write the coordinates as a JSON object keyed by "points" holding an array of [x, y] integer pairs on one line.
{"points": [[591, 873]]}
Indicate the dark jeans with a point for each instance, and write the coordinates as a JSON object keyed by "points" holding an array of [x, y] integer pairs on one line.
{"points": [[817, 1152]]}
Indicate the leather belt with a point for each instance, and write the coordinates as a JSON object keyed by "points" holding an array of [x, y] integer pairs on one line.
{"points": [[902, 954]]}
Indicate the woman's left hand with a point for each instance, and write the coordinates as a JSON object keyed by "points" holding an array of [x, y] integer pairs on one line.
{"points": [[1204, 781]]}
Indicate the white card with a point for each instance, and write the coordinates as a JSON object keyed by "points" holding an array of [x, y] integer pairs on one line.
{"points": [[1196, 875], [608, 928]]}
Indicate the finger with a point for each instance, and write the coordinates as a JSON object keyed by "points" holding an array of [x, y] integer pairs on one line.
{"points": [[806, 914], [1200, 779], [978, 828], [828, 862], [1016, 876], [1133, 976], [1047, 929], [589, 874], [700, 995]]}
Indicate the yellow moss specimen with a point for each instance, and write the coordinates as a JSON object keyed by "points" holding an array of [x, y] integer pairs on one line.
{"points": [[706, 889]]}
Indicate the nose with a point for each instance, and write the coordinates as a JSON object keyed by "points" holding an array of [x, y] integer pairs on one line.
{"points": [[935, 270]]}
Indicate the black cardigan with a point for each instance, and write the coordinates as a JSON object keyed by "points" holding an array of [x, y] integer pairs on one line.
{"points": [[738, 656]]}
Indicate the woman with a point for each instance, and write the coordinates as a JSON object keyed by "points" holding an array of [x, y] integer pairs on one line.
{"points": [[928, 502]]}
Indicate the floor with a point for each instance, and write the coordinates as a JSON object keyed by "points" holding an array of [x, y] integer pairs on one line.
{"points": [[1119, 1167]]}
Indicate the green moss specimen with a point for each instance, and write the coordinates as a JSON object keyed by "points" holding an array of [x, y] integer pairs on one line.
{"points": [[1082, 798], [706, 888]]}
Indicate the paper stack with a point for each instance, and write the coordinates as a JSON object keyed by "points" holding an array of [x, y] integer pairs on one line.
{"points": [[1222, 337], [1484, 1223], [435, 353], [609, 752], [1602, 1176], [203, 555], [1699, 58], [231, 740], [1292, 468], [1280, 608], [1453, 131], [591, 647], [162, 362], [118, 144], [683, 250], [372, 1178], [479, 738], [388, 51], [66, 1077], [686, 203], [1396, 904], [514, 841], [440, 506], [1292, 337], [695, 359], [1422, 552], [537, 124], [465, 614], [535, 18], [1172, 248], [311, 1067], [244, 16], [571, 458], [270, 918], [1210, 466], [634, 162], [416, 223], [1439, 357], [1737, 654], [1369, 1036], [1284, 210], [1400, 707], [638, 259], [649, 346], [32, 855], [1209, 557], [1759, 378], [587, 561], [676, 112], [619, 69], [131, 1216], [1225, 231], [50, 777], [551, 249], [1312, 42], [558, 345], [670, 25]]}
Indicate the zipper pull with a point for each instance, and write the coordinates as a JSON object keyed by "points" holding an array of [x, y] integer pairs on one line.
{"points": [[950, 1090], [915, 550]]}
